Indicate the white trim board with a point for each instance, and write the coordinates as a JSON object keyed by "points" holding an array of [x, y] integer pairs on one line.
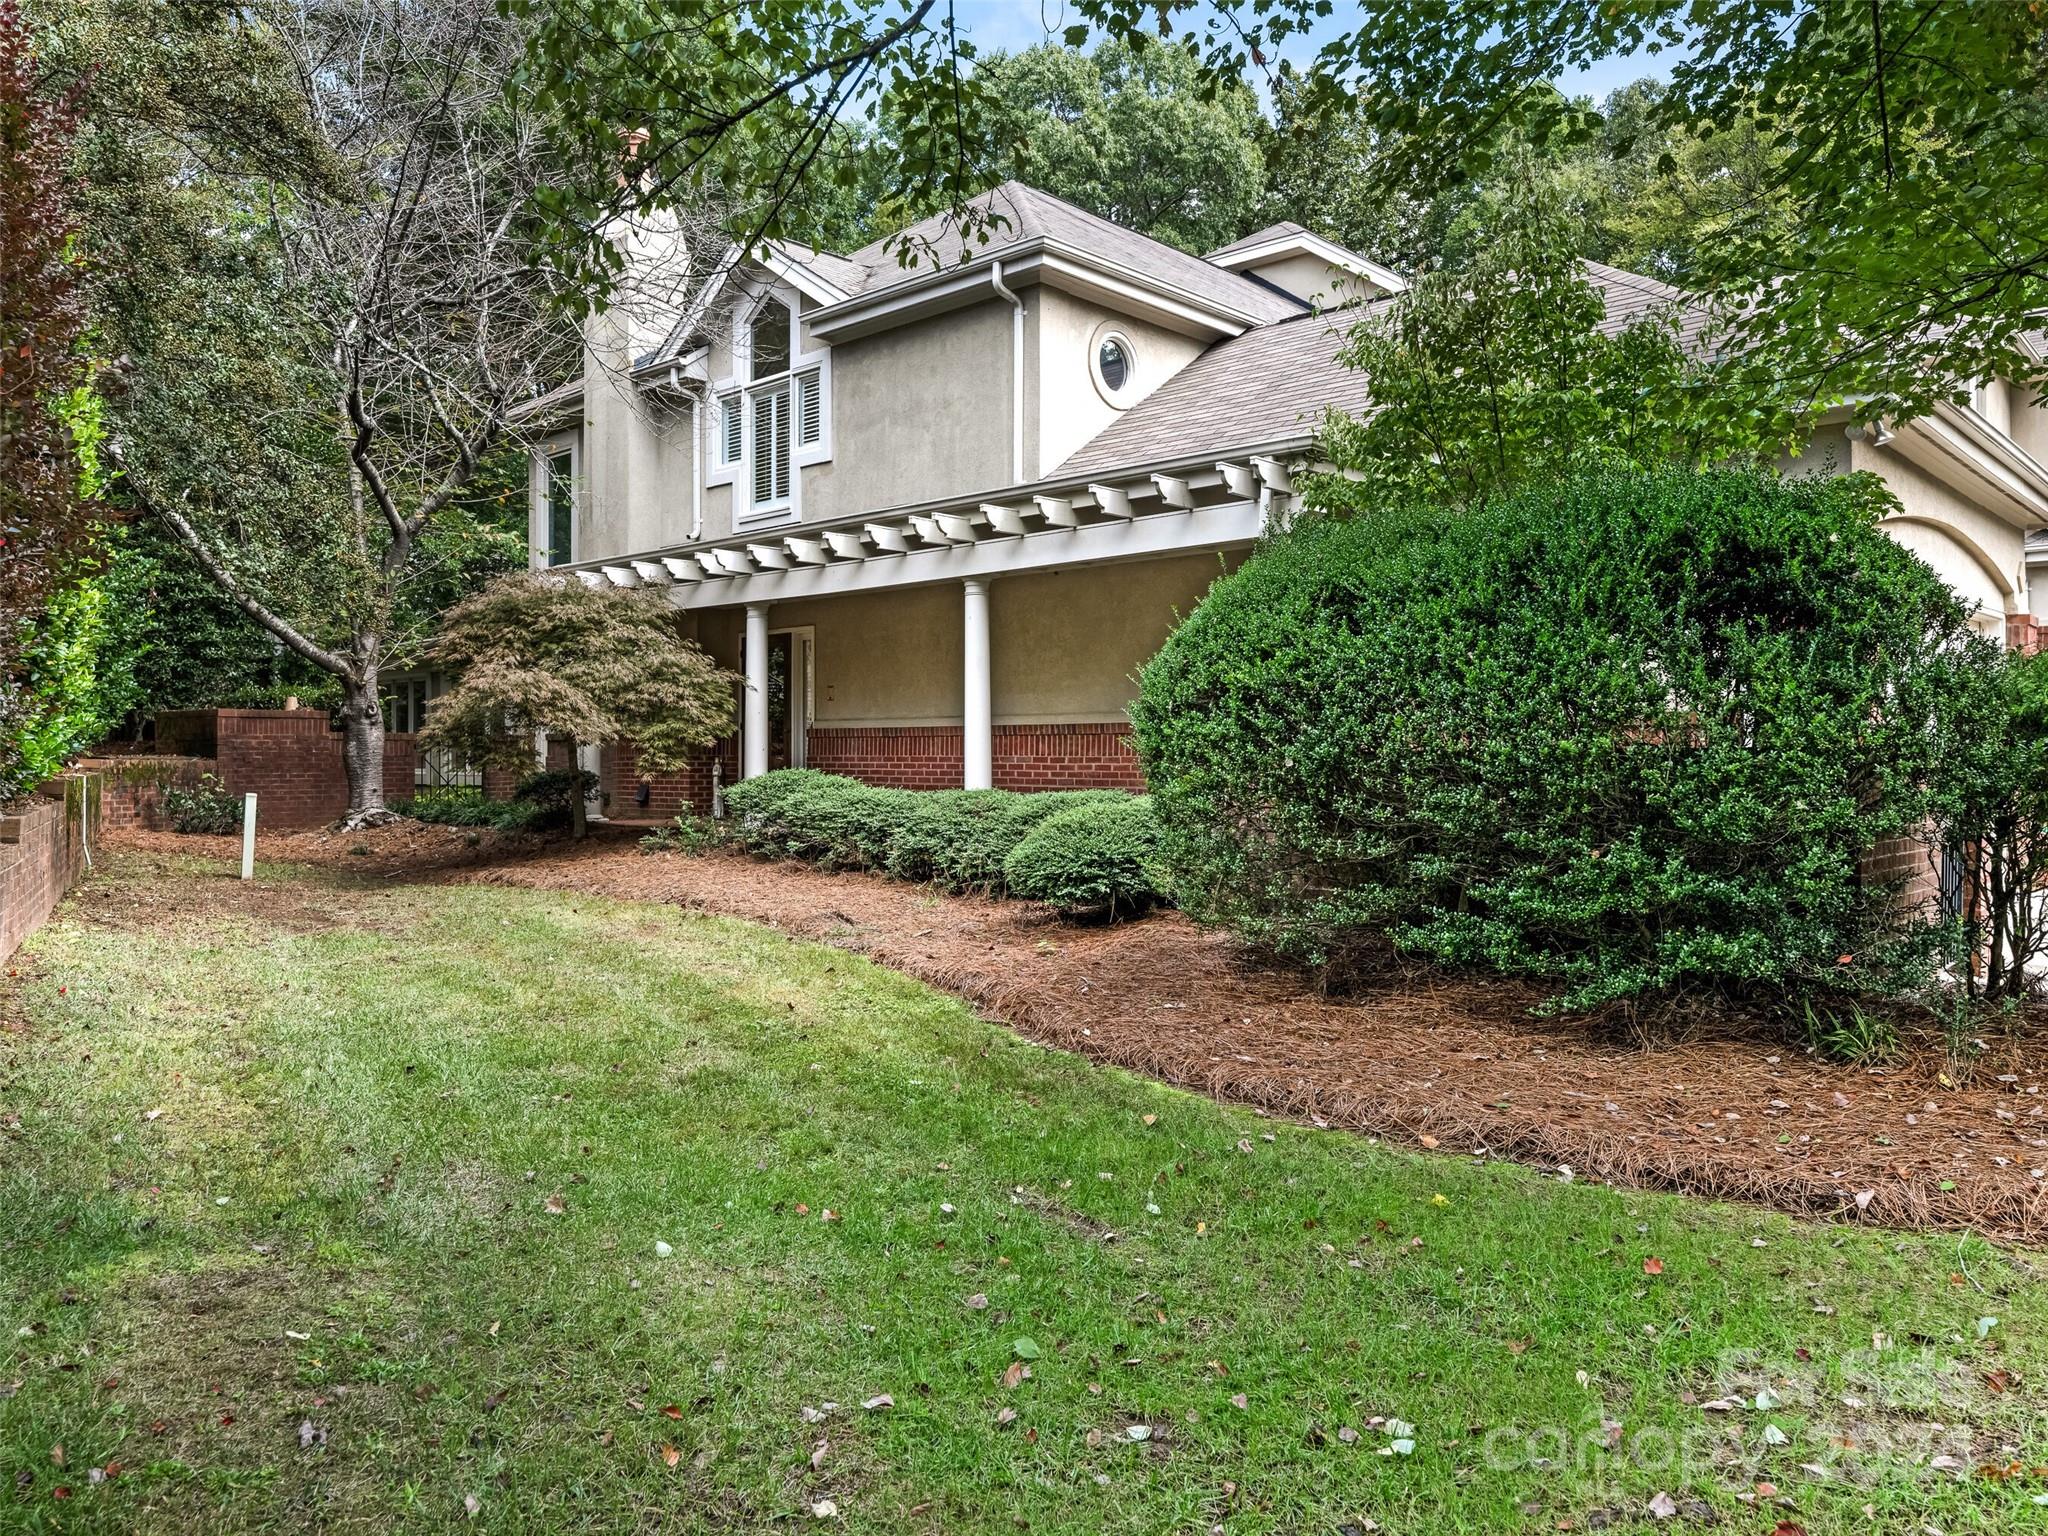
{"points": [[1226, 525]]}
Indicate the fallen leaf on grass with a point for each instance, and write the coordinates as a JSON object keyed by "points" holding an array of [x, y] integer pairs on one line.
{"points": [[670, 1456], [1430, 1142], [1005, 1416], [470, 1506], [671, 1411], [824, 1509], [1025, 1349], [818, 1454], [1653, 1265], [1139, 1432], [1663, 1506], [554, 1205], [1015, 1374], [1238, 1400], [879, 1400], [311, 1434], [977, 1302]]}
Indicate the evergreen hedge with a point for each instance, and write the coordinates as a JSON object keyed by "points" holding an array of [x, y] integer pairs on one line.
{"points": [[1627, 734], [1100, 856], [960, 839]]}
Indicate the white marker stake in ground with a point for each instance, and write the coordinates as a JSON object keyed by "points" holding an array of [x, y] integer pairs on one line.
{"points": [[248, 837]]}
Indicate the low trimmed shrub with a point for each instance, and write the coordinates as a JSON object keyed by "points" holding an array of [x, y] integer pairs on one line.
{"points": [[1099, 857], [203, 807], [801, 813], [552, 793], [959, 839], [1633, 734], [459, 805]]}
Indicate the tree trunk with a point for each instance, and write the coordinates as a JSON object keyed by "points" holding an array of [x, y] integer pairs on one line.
{"points": [[362, 748], [579, 808]]}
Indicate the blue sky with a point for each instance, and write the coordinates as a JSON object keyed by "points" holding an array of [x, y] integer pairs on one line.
{"points": [[1014, 24]]}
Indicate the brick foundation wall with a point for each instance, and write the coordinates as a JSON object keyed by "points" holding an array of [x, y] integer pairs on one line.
{"points": [[668, 794], [1912, 860], [898, 756], [1026, 757], [1067, 757], [1090, 756]]}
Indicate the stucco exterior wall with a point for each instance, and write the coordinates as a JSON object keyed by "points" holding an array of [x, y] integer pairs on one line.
{"points": [[1978, 554], [918, 413], [2029, 425], [1066, 408], [636, 456], [1064, 644], [1311, 278]]}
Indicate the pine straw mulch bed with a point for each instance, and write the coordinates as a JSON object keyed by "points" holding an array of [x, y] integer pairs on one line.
{"points": [[1457, 1064]]}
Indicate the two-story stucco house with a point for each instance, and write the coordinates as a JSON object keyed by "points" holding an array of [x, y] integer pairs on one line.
{"points": [[939, 514]]}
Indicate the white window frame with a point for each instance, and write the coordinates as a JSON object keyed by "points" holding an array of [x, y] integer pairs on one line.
{"points": [[544, 453], [739, 473], [1119, 399]]}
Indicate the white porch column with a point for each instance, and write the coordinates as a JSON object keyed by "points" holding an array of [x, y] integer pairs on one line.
{"points": [[977, 727], [754, 713]]}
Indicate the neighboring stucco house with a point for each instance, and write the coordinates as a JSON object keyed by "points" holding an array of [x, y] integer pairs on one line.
{"points": [[940, 514]]}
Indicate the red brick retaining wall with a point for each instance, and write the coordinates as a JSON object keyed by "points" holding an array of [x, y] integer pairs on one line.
{"points": [[290, 759]]}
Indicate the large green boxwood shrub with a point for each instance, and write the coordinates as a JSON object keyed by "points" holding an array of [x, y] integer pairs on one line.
{"points": [[1100, 856], [1627, 734]]}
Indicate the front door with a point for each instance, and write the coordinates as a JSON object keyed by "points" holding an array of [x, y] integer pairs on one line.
{"points": [[789, 697]]}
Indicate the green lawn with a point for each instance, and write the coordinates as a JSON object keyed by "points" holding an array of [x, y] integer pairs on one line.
{"points": [[417, 1146]]}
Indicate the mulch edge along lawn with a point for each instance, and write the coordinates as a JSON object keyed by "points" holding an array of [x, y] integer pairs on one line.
{"points": [[1447, 1064]]}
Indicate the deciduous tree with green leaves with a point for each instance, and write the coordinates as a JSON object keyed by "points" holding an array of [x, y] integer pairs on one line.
{"points": [[1130, 133], [539, 656], [1498, 368], [1895, 246], [323, 352]]}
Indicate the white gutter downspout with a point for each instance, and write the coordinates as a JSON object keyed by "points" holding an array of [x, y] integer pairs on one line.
{"points": [[995, 278], [675, 379]]}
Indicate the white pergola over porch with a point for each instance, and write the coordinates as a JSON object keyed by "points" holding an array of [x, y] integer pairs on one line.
{"points": [[1178, 510]]}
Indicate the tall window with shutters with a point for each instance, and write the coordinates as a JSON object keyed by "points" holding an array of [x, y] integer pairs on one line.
{"points": [[772, 416]]}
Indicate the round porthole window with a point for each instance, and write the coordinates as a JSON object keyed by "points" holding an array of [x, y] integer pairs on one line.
{"points": [[1115, 366]]}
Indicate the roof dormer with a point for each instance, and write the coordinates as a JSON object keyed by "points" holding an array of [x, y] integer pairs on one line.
{"points": [[1303, 265]]}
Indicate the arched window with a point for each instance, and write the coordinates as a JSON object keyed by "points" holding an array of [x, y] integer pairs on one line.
{"points": [[776, 414]]}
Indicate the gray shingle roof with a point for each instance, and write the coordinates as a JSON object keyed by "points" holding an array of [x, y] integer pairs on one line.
{"points": [[1268, 386], [1033, 215], [1631, 296], [1271, 386], [1259, 237]]}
